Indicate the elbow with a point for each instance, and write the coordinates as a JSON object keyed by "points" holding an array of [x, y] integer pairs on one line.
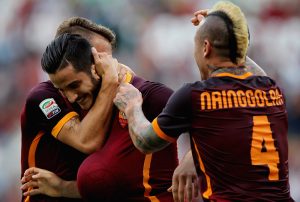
{"points": [[89, 148], [92, 145], [144, 151]]}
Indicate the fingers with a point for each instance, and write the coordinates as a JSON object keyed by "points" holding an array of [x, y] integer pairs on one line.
{"points": [[28, 185], [181, 187], [175, 188], [122, 73], [128, 69], [31, 171], [184, 188], [105, 65], [170, 189], [95, 55], [196, 187], [199, 16], [189, 189], [32, 192], [202, 12], [195, 21], [25, 179]]}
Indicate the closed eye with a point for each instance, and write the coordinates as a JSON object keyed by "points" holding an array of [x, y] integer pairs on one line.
{"points": [[74, 85]]}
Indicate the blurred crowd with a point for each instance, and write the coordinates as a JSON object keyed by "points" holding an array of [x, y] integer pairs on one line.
{"points": [[154, 38]]}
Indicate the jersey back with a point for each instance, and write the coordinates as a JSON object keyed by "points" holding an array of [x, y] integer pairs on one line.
{"points": [[238, 127]]}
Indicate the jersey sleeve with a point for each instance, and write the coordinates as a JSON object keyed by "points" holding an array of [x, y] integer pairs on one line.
{"points": [[155, 97], [48, 110], [176, 116]]}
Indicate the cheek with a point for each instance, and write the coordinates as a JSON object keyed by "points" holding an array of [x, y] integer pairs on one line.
{"points": [[87, 87]]}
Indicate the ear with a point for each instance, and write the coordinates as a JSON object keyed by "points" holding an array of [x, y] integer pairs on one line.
{"points": [[207, 48], [94, 72]]}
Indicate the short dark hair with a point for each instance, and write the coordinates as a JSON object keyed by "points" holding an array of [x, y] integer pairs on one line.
{"points": [[85, 28], [67, 49]]}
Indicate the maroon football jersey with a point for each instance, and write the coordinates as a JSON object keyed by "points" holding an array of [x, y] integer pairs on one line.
{"points": [[43, 116], [120, 172], [238, 130]]}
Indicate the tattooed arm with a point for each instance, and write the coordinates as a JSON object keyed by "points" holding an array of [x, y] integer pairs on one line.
{"points": [[129, 100]]}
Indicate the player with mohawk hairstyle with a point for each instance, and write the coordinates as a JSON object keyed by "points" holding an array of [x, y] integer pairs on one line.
{"points": [[236, 118]]}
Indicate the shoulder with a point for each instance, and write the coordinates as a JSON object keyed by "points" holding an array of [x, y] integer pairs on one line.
{"points": [[42, 95], [151, 88], [142, 84], [187, 88], [41, 90]]}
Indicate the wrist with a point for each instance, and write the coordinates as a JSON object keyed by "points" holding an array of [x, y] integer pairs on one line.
{"points": [[61, 189], [110, 77], [69, 189], [131, 109], [109, 83]]}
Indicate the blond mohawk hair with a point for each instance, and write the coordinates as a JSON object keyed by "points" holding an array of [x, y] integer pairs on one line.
{"points": [[79, 25], [240, 27]]}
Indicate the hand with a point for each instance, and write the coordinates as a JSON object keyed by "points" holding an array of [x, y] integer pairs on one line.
{"points": [[127, 96], [122, 70], [185, 184], [39, 181], [199, 16], [105, 65]]}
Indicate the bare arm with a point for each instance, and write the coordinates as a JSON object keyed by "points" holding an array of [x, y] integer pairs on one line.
{"points": [[129, 100], [185, 181], [39, 181]]}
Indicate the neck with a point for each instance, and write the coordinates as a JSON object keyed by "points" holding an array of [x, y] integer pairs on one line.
{"points": [[236, 70]]}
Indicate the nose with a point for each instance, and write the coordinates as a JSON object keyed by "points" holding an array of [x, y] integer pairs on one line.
{"points": [[71, 96]]}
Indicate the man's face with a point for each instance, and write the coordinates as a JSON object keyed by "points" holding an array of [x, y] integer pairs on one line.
{"points": [[77, 87], [81, 87]]}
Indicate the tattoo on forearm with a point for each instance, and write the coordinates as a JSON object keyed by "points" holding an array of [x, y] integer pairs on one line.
{"points": [[143, 134]]}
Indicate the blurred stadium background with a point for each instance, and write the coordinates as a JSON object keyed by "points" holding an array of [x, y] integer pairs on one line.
{"points": [[155, 38]]}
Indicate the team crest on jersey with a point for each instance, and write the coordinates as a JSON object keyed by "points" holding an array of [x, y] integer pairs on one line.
{"points": [[49, 108], [122, 119]]}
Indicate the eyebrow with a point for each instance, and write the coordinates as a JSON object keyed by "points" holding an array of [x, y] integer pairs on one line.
{"points": [[73, 83]]}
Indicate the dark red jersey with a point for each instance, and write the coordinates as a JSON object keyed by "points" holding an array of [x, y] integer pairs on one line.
{"points": [[120, 172], [44, 114], [238, 127]]}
